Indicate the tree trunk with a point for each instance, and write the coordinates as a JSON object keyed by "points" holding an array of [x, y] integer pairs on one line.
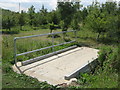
{"points": [[98, 36], [50, 31], [9, 28], [21, 28]]}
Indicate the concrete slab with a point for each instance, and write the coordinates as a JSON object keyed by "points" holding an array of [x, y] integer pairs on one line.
{"points": [[57, 68]]}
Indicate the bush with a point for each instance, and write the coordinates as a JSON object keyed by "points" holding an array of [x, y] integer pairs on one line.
{"points": [[44, 26], [26, 28], [103, 54], [109, 58], [115, 64], [35, 28]]}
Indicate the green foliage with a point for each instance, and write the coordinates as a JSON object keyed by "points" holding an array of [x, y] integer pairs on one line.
{"points": [[109, 58], [21, 20], [75, 24], [8, 22], [53, 17], [52, 27], [103, 54], [41, 16], [67, 11], [31, 12], [97, 21], [101, 20], [84, 13], [84, 78], [44, 26]]}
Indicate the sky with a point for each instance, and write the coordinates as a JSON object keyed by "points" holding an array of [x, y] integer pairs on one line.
{"points": [[13, 5]]}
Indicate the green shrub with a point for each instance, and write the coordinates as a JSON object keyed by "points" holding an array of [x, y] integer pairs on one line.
{"points": [[84, 78], [35, 28], [103, 54], [44, 26], [27, 28]]}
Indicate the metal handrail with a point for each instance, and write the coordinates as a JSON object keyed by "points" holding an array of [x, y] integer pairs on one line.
{"points": [[43, 48], [16, 38], [42, 34]]}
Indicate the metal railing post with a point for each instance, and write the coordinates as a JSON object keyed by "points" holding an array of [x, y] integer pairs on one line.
{"points": [[75, 35], [15, 55], [52, 42], [15, 60]]}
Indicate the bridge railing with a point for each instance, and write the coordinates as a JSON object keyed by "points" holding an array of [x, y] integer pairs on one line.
{"points": [[44, 56]]}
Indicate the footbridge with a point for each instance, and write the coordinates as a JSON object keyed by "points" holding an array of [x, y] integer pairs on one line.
{"points": [[56, 67]]}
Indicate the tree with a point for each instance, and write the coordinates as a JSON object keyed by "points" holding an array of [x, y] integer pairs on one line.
{"points": [[76, 17], [31, 12], [103, 19], [54, 18], [114, 32], [75, 24], [84, 13], [43, 16], [110, 7], [8, 23], [21, 19], [8, 19], [66, 10], [97, 20]]}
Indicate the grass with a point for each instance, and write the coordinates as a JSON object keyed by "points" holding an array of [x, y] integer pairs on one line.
{"points": [[13, 80], [100, 79], [0, 75], [105, 80]]}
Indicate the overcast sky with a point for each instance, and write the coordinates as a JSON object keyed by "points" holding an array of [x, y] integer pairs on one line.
{"points": [[49, 4]]}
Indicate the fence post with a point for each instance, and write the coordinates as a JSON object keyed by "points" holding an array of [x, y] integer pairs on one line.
{"points": [[15, 60], [75, 33], [52, 42]]}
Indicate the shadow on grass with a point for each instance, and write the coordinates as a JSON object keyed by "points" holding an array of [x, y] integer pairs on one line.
{"points": [[10, 32], [106, 41], [54, 36]]}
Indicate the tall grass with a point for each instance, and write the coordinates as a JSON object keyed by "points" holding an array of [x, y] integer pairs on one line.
{"points": [[29, 44]]}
